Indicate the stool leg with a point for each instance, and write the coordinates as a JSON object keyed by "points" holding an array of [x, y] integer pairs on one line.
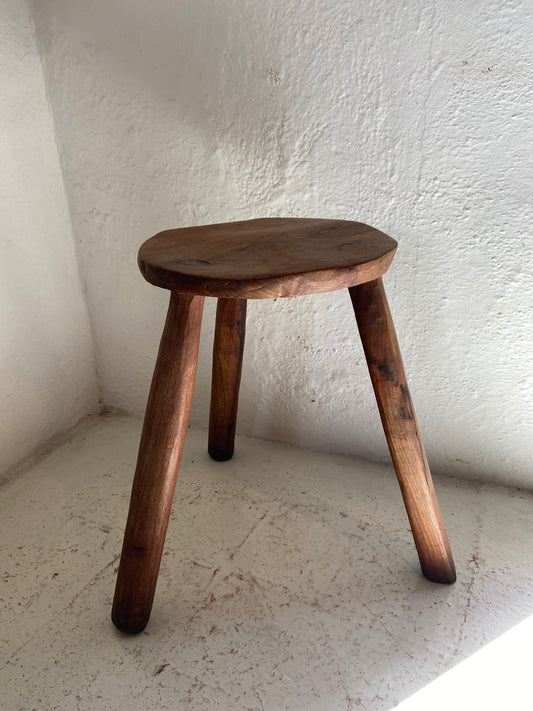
{"points": [[401, 429], [162, 439], [227, 366]]}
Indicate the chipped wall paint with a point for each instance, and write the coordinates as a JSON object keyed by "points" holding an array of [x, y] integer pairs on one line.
{"points": [[47, 368], [412, 117]]}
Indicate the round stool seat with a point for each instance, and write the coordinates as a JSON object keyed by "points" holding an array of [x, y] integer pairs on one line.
{"points": [[270, 257]]}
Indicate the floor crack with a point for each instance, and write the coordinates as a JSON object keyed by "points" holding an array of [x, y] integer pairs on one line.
{"points": [[250, 532]]}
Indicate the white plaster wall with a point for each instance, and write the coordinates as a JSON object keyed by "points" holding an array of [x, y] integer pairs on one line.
{"points": [[47, 368], [414, 117]]}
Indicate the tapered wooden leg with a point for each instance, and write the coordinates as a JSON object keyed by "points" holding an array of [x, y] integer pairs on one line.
{"points": [[401, 429], [162, 439], [227, 366]]}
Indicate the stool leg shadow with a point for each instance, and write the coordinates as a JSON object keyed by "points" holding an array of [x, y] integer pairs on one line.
{"points": [[228, 350], [401, 430], [163, 435]]}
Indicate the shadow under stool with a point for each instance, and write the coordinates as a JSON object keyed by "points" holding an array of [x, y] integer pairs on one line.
{"points": [[260, 259]]}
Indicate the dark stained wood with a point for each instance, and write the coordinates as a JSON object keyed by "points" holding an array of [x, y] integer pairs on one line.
{"points": [[270, 257], [165, 424], [401, 429], [260, 259], [227, 366]]}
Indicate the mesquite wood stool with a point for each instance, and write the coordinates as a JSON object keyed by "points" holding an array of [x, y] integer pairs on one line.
{"points": [[260, 259]]}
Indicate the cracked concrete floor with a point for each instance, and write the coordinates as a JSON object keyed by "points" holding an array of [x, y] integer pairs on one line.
{"points": [[289, 581]]}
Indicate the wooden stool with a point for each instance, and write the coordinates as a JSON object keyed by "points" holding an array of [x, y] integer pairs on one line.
{"points": [[260, 259]]}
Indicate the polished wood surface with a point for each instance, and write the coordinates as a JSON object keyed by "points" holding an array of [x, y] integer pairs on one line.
{"points": [[227, 366], [269, 257], [162, 439], [401, 430]]}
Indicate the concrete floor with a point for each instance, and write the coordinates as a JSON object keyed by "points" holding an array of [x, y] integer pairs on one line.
{"points": [[289, 581]]}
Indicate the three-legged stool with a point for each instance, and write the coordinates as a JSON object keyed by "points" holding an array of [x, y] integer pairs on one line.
{"points": [[260, 259]]}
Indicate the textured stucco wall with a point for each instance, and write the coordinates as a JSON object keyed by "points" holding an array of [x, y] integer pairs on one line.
{"points": [[47, 368], [414, 117]]}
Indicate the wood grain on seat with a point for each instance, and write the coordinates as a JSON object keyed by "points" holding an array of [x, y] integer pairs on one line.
{"points": [[269, 257]]}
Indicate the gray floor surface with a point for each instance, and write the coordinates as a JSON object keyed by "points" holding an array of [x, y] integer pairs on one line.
{"points": [[289, 581]]}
